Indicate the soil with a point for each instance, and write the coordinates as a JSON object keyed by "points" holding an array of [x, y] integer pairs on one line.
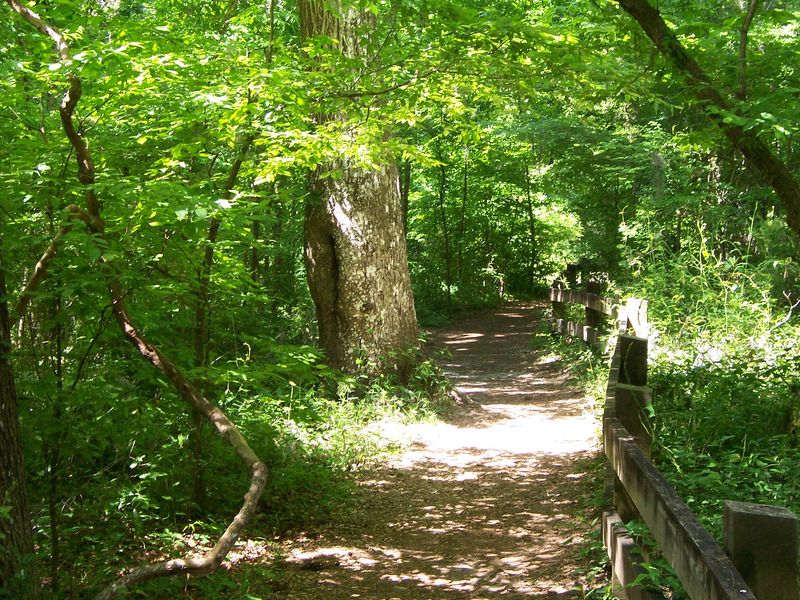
{"points": [[488, 503]]}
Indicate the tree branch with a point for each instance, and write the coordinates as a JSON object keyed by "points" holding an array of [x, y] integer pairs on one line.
{"points": [[386, 90], [718, 109], [40, 270]]}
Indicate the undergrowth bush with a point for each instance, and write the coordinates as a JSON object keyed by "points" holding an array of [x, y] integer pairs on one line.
{"points": [[726, 376], [131, 499], [724, 366]]}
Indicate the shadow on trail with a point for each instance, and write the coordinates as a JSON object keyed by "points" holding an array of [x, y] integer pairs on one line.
{"points": [[484, 505], [486, 529]]}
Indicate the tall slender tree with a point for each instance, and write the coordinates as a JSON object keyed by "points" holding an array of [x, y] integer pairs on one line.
{"points": [[758, 154], [17, 576], [182, 385]]}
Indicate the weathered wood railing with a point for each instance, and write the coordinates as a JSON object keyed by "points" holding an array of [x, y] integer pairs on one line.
{"points": [[596, 309], [761, 542]]}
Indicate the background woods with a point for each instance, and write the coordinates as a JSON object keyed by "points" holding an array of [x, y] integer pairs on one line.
{"points": [[275, 195]]}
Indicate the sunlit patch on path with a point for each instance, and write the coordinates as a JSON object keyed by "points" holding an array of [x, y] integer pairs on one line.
{"points": [[485, 505]]}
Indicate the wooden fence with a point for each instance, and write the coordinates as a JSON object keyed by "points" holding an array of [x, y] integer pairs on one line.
{"points": [[760, 560]]}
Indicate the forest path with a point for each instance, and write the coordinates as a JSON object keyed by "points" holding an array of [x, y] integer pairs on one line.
{"points": [[485, 504]]}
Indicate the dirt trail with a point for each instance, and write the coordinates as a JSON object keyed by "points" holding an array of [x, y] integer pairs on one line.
{"points": [[484, 505]]}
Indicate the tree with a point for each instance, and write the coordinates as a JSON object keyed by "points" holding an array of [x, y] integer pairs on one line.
{"points": [[733, 125], [16, 541], [112, 274], [355, 249]]}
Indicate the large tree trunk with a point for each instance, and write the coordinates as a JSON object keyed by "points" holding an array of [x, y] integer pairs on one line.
{"points": [[355, 248], [17, 576], [357, 268], [757, 153]]}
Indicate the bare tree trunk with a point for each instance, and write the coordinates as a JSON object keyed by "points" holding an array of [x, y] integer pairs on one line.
{"points": [[201, 332], [445, 233], [254, 258], [18, 577], [757, 153], [53, 447], [741, 93], [355, 249], [463, 218], [533, 255]]}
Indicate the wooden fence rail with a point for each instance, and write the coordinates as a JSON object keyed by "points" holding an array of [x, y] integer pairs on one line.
{"points": [[760, 560]]}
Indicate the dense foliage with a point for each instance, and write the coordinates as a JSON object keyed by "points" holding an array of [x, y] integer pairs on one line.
{"points": [[526, 136]]}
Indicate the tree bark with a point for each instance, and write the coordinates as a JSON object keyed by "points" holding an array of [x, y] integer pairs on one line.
{"points": [[756, 152], [18, 577], [357, 269], [355, 249], [741, 93]]}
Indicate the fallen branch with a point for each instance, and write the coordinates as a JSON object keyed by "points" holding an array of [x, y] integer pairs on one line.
{"points": [[187, 391]]}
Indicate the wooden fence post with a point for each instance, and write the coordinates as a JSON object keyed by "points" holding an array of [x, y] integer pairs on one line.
{"points": [[559, 312], [592, 317], [762, 542], [629, 406], [633, 367], [636, 313], [557, 325], [571, 275], [626, 560]]}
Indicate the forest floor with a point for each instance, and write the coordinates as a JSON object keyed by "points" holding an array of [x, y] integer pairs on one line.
{"points": [[492, 501]]}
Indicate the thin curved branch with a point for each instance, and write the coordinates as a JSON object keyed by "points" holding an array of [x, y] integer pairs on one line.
{"points": [[206, 564], [225, 427], [380, 92]]}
